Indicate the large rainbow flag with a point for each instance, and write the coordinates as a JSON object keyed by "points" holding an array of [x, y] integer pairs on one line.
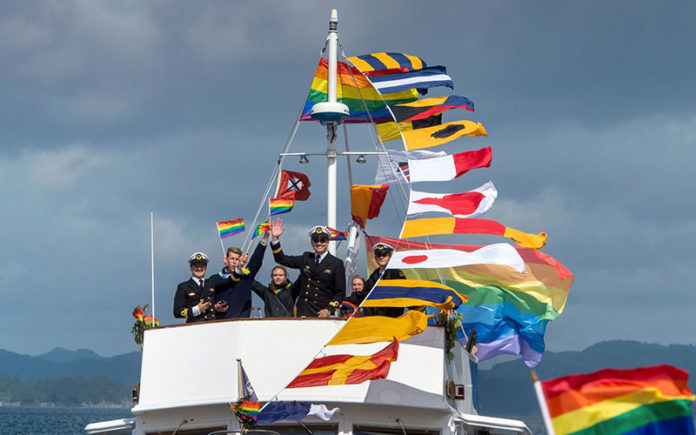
{"points": [[648, 400], [355, 91], [508, 310]]}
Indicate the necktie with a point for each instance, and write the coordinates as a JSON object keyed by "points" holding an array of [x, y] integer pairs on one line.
{"points": [[316, 258]]}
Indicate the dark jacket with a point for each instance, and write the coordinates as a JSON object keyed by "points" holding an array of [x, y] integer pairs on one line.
{"points": [[277, 304], [189, 294], [319, 286], [239, 298]]}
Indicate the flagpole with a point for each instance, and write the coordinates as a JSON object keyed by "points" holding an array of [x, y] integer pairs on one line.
{"points": [[542, 404], [222, 245], [240, 388], [152, 262]]}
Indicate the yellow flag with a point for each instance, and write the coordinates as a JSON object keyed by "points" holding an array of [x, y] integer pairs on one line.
{"points": [[373, 329], [441, 134]]}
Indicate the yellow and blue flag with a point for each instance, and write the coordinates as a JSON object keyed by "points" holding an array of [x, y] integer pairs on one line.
{"points": [[387, 61], [413, 292]]}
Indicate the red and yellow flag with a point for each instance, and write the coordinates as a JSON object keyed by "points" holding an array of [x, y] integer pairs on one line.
{"points": [[452, 225], [347, 369], [366, 202]]}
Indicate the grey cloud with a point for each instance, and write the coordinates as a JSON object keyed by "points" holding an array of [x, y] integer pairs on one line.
{"points": [[112, 109]]}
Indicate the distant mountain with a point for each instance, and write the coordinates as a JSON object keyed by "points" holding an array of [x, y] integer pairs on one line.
{"points": [[123, 369], [62, 355], [506, 389], [93, 391]]}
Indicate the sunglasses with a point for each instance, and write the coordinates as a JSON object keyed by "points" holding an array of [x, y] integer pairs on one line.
{"points": [[382, 254], [320, 239]]}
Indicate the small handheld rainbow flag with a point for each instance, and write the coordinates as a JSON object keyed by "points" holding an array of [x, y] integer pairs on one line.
{"points": [[282, 204], [230, 228], [260, 229], [337, 235]]}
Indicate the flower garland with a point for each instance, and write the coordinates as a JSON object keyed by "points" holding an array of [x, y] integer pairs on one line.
{"points": [[453, 322], [141, 323]]}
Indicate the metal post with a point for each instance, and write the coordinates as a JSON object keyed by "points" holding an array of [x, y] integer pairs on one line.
{"points": [[331, 129], [152, 262]]}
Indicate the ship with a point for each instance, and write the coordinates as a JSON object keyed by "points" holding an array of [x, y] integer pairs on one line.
{"points": [[192, 373]]}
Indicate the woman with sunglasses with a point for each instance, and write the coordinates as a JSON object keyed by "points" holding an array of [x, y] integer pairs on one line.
{"points": [[321, 285]]}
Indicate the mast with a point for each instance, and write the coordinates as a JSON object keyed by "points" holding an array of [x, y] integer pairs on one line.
{"points": [[330, 115]]}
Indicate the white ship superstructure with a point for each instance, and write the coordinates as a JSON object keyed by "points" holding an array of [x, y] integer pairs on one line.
{"points": [[184, 386]]}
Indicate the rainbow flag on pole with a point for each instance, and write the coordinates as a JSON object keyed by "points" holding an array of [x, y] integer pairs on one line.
{"points": [[249, 411], [230, 228], [282, 204], [354, 90], [648, 400]]}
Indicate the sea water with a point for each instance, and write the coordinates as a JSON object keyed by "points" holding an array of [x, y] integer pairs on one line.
{"points": [[41, 420]]}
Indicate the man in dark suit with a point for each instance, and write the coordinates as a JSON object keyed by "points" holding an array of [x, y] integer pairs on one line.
{"points": [[238, 299], [194, 298], [321, 285]]}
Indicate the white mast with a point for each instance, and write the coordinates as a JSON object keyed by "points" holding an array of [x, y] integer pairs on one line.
{"points": [[152, 261], [330, 114]]}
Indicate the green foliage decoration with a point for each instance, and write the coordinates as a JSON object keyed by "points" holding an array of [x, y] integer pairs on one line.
{"points": [[452, 322]]}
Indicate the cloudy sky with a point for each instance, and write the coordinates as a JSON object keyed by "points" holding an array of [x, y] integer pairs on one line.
{"points": [[110, 109]]}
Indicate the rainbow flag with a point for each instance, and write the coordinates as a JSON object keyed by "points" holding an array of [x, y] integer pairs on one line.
{"points": [[508, 310], [230, 228], [337, 235], [647, 400], [280, 205], [250, 409], [355, 91], [260, 229]]}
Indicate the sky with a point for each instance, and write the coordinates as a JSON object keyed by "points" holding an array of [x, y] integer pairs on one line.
{"points": [[111, 109]]}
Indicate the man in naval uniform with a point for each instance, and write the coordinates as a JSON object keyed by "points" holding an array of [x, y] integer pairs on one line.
{"points": [[321, 285], [383, 253], [194, 298]]}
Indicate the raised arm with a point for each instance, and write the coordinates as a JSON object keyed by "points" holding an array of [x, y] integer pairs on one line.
{"points": [[259, 289], [256, 259], [291, 261]]}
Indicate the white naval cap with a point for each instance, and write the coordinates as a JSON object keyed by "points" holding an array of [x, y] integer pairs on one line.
{"points": [[198, 258], [319, 230], [382, 248]]}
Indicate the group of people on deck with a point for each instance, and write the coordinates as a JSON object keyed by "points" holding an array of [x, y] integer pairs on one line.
{"points": [[317, 292]]}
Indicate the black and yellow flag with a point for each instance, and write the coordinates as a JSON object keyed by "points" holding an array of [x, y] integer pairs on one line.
{"points": [[441, 134]]}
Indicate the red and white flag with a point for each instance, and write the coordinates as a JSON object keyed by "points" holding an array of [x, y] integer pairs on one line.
{"points": [[467, 204], [290, 181], [499, 253], [449, 167]]}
